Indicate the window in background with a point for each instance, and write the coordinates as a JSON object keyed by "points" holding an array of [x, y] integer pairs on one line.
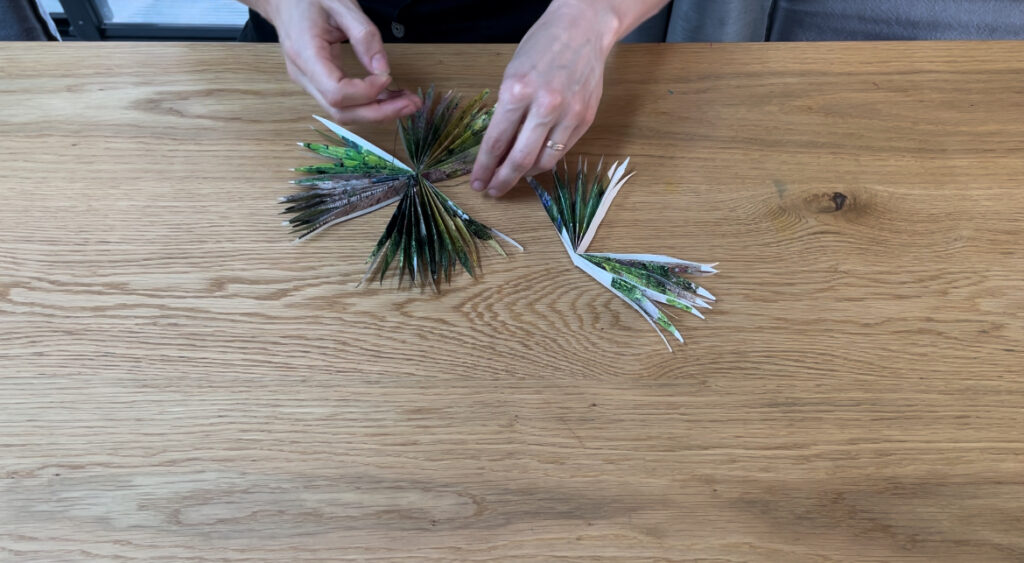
{"points": [[187, 20], [180, 12], [53, 6]]}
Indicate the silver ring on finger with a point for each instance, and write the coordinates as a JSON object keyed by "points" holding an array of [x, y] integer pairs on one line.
{"points": [[557, 147]]}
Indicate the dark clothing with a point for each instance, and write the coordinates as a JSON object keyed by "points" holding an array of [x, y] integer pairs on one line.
{"points": [[21, 20], [435, 21], [258, 29]]}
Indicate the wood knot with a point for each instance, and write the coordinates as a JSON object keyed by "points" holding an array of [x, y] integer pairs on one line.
{"points": [[839, 200]]}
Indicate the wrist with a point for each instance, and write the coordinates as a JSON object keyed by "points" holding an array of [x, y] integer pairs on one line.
{"points": [[615, 18], [598, 16]]}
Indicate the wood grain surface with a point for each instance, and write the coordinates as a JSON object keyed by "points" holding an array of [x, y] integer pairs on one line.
{"points": [[179, 383]]}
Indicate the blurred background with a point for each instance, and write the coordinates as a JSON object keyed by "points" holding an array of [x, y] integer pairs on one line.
{"points": [[680, 21], [141, 20]]}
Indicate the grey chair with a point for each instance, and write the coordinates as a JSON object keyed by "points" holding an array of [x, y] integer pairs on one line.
{"points": [[718, 21], [833, 20], [827, 20], [25, 20]]}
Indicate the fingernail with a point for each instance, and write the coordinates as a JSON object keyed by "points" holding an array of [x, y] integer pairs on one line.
{"points": [[478, 186], [379, 64], [494, 193]]}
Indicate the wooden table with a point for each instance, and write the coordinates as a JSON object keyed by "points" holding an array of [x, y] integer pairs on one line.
{"points": [[179, 383]]}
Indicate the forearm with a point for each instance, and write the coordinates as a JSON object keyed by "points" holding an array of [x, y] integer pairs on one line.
{"points": [[619, 16]]}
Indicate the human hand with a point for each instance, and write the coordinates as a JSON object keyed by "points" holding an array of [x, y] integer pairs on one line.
{"points": [[311, 33], [550, 92]]}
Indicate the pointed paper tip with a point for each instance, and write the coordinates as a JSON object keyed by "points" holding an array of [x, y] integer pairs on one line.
{"points": [[705, 293], [507, 239], [286, 223], [617, 169], [611, 169]]}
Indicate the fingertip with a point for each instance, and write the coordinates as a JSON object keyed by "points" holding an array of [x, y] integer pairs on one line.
{"points": [[408, 110], [413, 100], [380, 81], [382, 110], [379, 64], [481, 177], [483, 169], [495, 187]]}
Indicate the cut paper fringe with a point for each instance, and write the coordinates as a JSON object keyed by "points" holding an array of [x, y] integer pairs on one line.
{"points": [[428, 236], [577, 206]]}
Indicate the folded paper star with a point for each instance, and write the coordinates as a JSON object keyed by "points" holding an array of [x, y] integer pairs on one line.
{"points": [[577, 207], [428, 236]]}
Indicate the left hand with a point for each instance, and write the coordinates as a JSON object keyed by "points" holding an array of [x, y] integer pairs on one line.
{"points": [[550, 91]]}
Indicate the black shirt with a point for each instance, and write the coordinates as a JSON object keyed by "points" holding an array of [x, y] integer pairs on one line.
{"points": [[435, 21]]}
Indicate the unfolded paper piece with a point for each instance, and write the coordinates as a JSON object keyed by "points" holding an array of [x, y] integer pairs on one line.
{"points": [[428, 236], [577, 206]]}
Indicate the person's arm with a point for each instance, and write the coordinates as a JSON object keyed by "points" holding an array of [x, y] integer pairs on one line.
{"points": [[552, 87], [310, 32]]}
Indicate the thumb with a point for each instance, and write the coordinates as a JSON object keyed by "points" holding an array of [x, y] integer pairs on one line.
{"points": [[363, 35]]}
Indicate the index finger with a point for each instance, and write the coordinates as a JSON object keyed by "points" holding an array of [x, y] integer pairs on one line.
{"points": [[335, 88], [496, 143]]}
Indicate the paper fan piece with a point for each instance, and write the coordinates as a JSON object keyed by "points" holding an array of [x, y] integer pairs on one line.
{"points": [[645, 281], [428, 236]]}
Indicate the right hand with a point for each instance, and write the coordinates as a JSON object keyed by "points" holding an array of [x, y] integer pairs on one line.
{"points": [[311, 32]]}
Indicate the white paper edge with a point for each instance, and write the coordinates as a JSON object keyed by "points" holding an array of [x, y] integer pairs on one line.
{"points": [[507, 239], [605, 279], [662, 298], [345, 218], [615, 173], [342, 132], [660, 259]]}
